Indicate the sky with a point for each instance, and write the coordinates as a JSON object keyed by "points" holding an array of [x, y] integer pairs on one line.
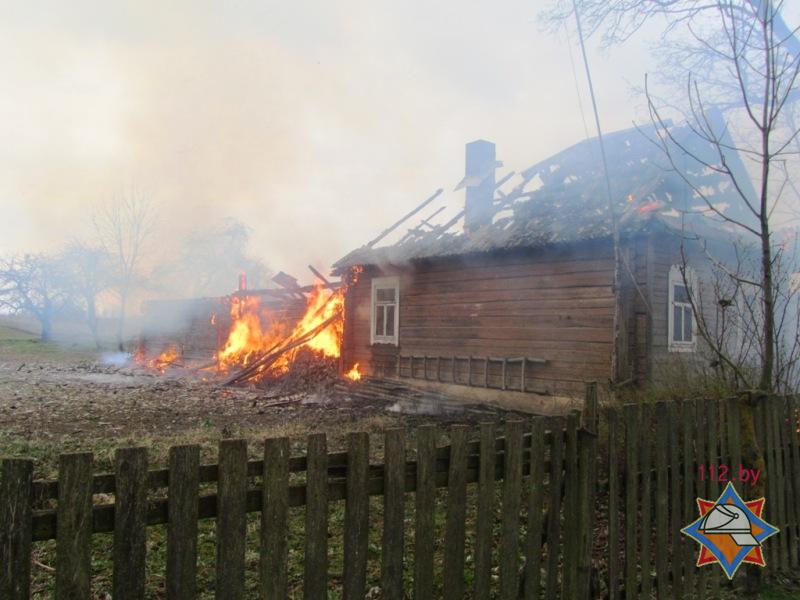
{"points": [[317, 123]]}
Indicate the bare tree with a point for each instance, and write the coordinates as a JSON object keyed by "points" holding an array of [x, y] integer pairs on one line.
{"points": [[31, 284], [88, 272], [751, 60], [125, 227]]}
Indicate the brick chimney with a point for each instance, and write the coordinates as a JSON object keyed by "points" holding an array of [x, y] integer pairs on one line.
{"points": [[480, 183]]}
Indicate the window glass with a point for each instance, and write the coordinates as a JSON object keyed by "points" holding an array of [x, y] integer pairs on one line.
{"points": [[379, 320], [680, 294], [386, 294], [390, 319], [687, 325], [677, 323]]}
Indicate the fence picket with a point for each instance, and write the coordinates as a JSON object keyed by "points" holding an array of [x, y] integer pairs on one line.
{"points": [[533, 543], [425, 506], [73, 537], [512, 491], [315, 563], [485, 516], [571, 538], [789, 492], [700, 440], [554, 512], [776, 414], [676, 564], [689, 512], [231, 519], [632, 416], [613, 506], [645, 454], [454, 535], [771, 509], [794, 483], [184, 486], [713, 458], [16, 476], [130, 523], [661, 500], [274, 515], [356, 519], [394, 481]]}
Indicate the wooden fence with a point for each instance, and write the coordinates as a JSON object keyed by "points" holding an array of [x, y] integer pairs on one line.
{"points": [[587, 506]]}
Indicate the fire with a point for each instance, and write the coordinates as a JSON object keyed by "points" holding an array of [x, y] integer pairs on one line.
{"points": [[648, 207], [160, 363], [354, 374], [247, 338], [254, 332]]}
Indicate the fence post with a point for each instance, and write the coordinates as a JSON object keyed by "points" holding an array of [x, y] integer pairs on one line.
{"points": [[130, 523], [274, 514], [424, 514], [74, 526], [485, 516], [533, 551], [455, 526], [231, 519], [184, 487], [512, 491], [315, 585], [16, 476], [394, 481], [587, 487], [356, 517]]}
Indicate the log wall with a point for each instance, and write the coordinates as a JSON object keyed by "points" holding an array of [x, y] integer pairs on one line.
{"points": [[554, 304]]}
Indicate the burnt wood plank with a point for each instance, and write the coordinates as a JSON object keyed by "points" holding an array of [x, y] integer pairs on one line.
{"points": [[485, 515], [16, 476], [512, 492], [425, 506], [274, 520], [315, 582], [232, 519], [455, 526], [184, 489], [130, 523]]}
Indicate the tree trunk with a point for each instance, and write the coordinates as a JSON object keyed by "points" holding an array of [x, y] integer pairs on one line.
{"points": [[91, 321], [753, 458], [121, 321]]}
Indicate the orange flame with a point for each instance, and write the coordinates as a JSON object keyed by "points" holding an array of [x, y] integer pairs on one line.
{"points": [[255, 332], [353, 374], [160, 363], [648, 207]]}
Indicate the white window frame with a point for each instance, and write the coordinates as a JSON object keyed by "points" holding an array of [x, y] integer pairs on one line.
{"points": [[676, 278], [385, 283]]}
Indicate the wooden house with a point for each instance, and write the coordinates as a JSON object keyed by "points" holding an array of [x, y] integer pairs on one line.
{"points": [[511, 291]]}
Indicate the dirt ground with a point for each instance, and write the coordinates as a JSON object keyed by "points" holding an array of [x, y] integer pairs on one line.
{"points": [[57, 399]]}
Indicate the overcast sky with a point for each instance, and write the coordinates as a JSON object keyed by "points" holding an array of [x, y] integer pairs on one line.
{"points": [[317, 123]]}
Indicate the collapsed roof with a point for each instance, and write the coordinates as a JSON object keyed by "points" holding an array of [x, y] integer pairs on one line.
{"points": [[563, 199]]}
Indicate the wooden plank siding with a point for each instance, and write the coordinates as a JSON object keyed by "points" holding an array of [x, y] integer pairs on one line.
{"points": [[555, 304]]}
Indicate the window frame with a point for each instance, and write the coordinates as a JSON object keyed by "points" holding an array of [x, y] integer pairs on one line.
{"points": [[384, 283], [676, 278]]}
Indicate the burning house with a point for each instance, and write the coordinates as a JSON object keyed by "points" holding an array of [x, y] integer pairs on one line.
{"points": [[512, 291]]}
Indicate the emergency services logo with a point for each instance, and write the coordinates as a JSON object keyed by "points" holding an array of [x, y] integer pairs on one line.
{"points": [[730, 531]]}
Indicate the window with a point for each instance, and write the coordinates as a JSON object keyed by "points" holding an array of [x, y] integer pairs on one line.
{"points": [[682, 330], [385, 310]]}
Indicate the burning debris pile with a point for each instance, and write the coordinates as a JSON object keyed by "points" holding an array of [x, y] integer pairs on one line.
{"points": [[259, 339]]}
